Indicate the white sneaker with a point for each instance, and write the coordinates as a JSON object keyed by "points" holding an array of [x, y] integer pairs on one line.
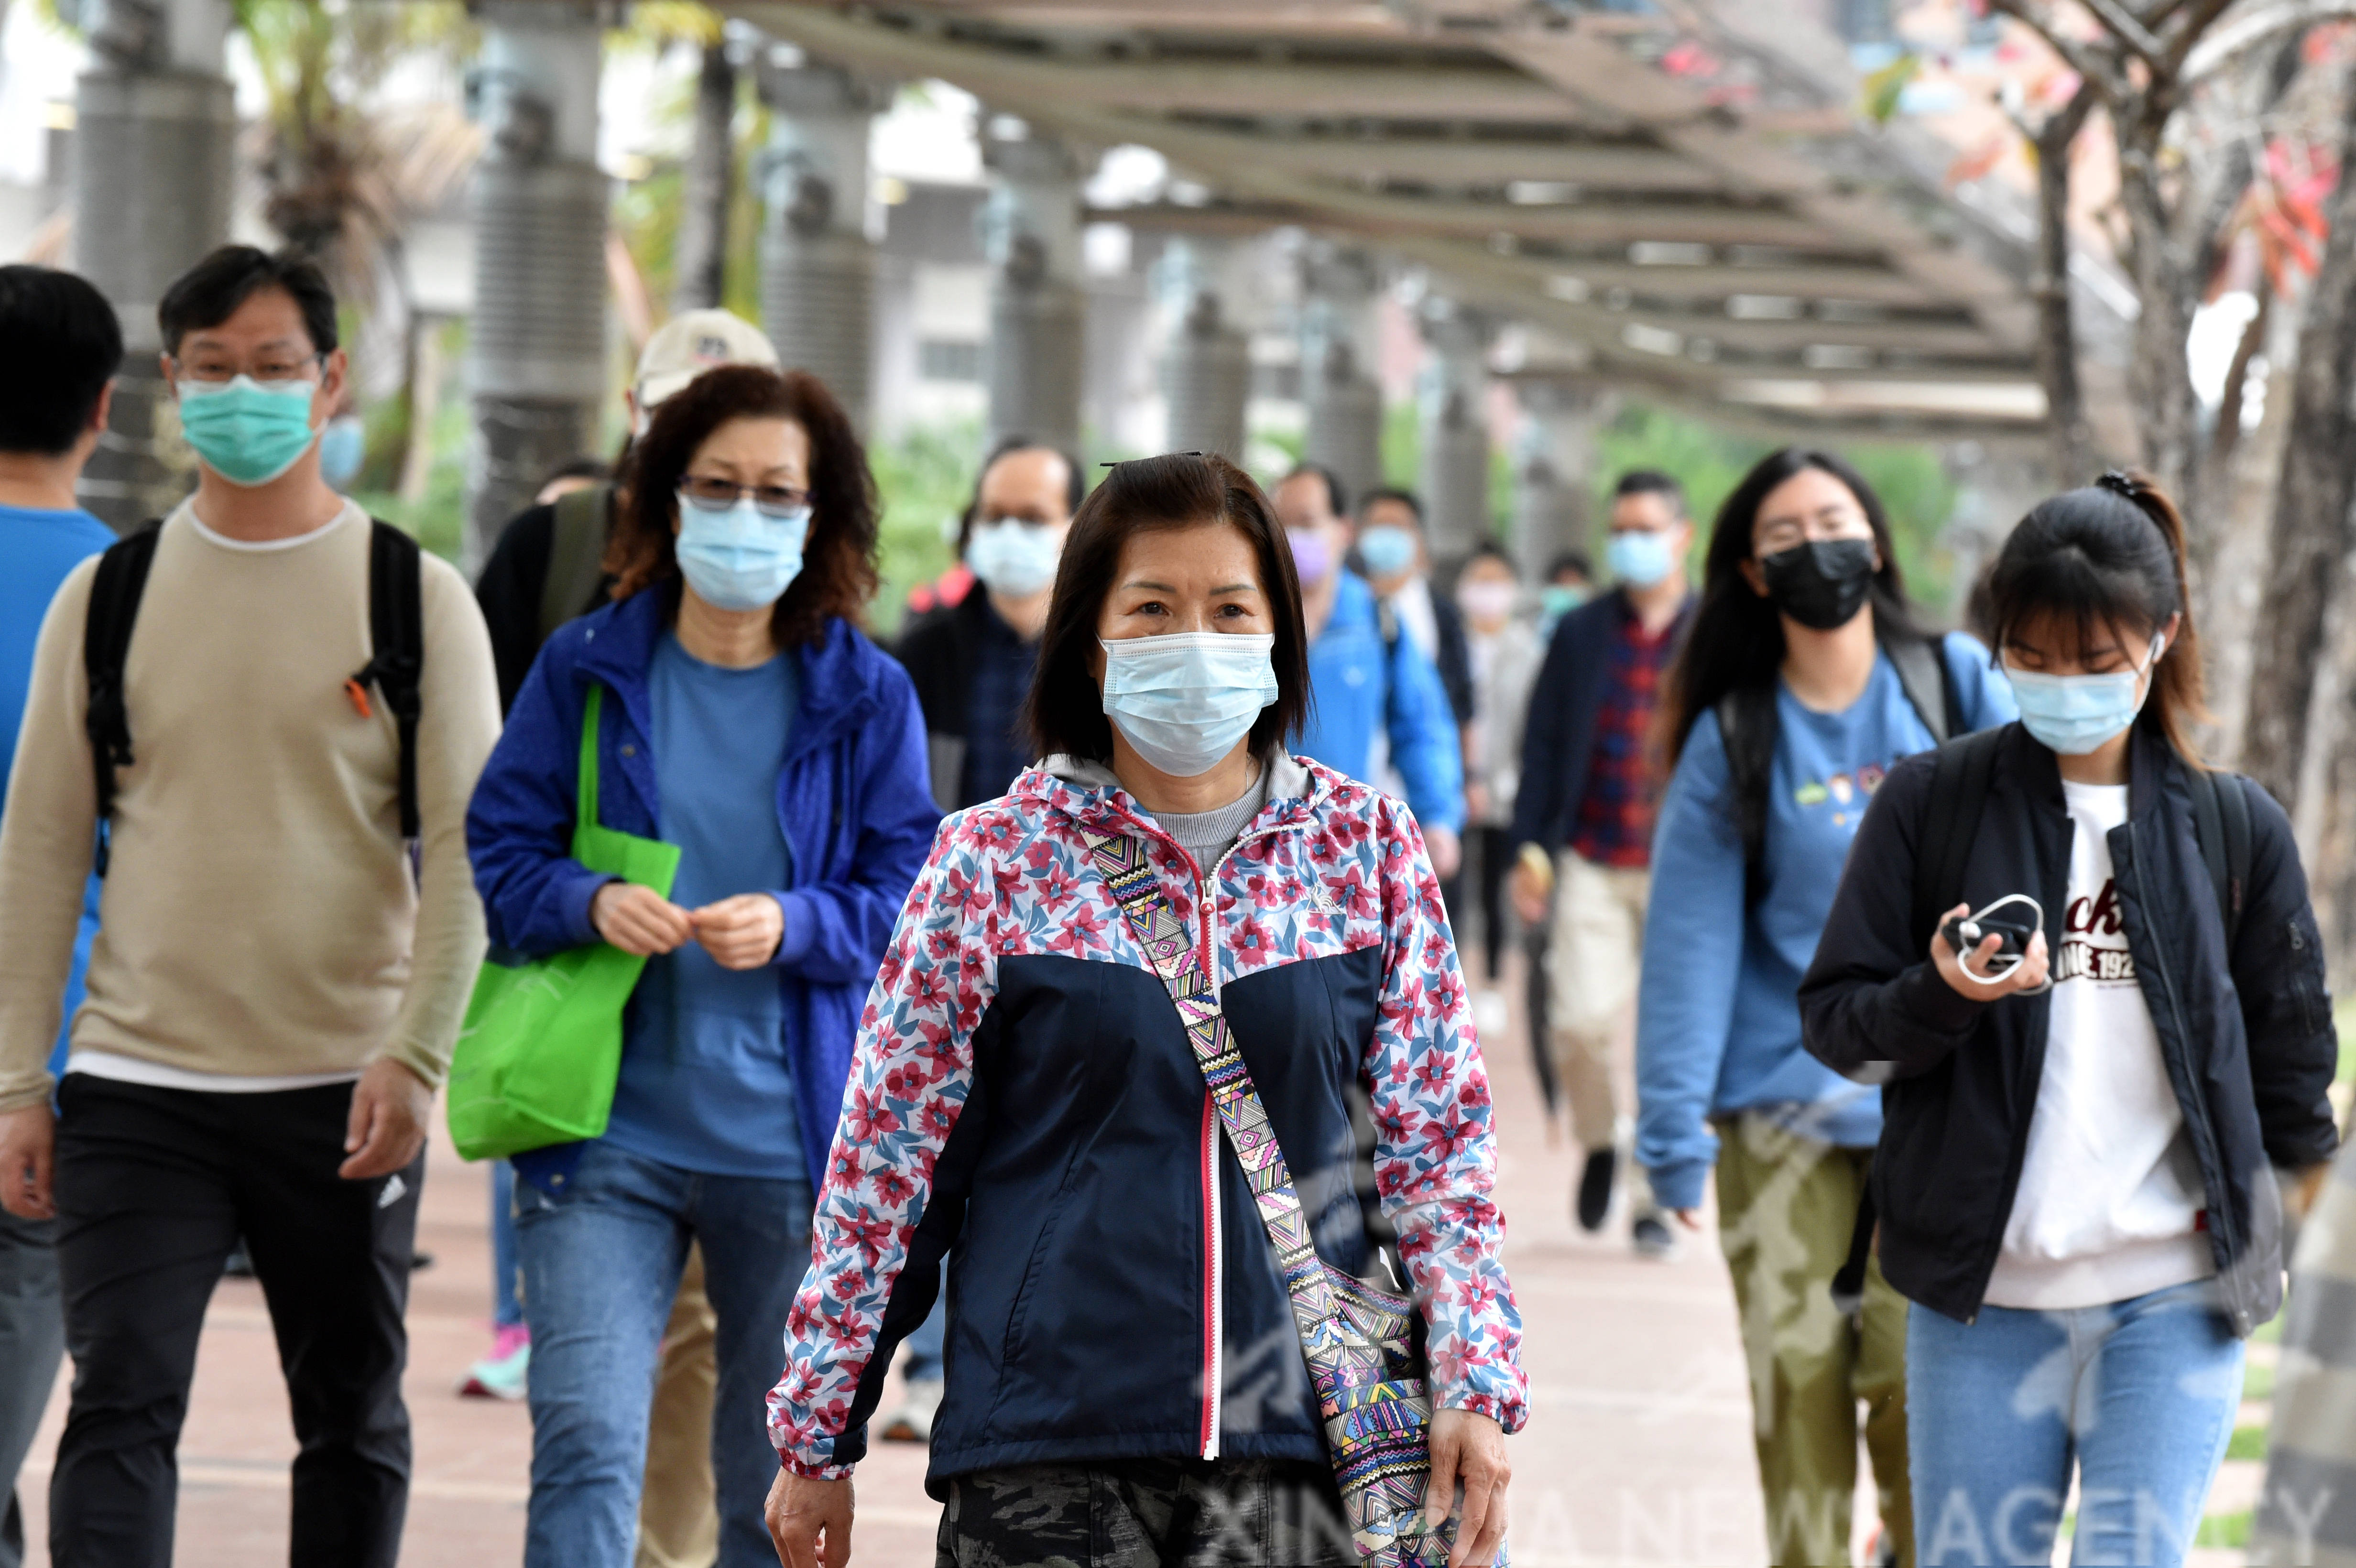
{"points": [[1491, 1015], [913, 1422]]}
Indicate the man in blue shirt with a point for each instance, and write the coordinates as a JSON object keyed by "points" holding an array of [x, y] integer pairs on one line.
{"points": [[62, 337], [1369, 681]]}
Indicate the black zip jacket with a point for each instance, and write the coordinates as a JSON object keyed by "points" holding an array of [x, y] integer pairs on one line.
{"points": [[1559, 741], [2247, 1036]]}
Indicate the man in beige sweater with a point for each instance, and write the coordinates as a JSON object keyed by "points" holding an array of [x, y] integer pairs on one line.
{"points": [[274, 992]]}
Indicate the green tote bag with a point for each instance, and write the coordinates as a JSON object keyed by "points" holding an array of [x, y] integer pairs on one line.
{"points": [[542, 1043]]}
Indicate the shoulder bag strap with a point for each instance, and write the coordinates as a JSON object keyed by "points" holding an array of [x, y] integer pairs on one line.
{"points": [[396, 652], [1121, 861], [576, 555], [1960, 777], [1923, 675], [114, 594], [584, 788]]}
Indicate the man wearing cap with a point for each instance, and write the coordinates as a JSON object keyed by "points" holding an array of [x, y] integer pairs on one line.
{"points": [[546, 569], [547, 566]]}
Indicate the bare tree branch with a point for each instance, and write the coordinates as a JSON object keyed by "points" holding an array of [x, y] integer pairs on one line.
{"points": [[2245, 33], [2122, 24], [2186, 34], [2088, 63]]}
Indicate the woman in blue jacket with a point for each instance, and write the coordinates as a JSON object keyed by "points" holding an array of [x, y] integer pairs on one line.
{"points": [[1803, 680], [745, 719]]}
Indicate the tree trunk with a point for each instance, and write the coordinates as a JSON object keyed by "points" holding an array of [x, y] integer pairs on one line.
{"points": [[2159, 378], [2309, 536], [701, 261], [2057, 332]]}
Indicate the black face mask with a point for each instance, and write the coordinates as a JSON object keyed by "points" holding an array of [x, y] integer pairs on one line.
{"points": [[1820, 585]]}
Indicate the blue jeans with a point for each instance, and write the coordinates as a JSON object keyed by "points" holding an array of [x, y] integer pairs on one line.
{"points": [[507, 1286], [601, 1265], [2139, 1394], [924, 1362]]}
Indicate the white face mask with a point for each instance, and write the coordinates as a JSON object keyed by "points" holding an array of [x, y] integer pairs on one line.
{"points": [[1014, 558], [1184, 699]]}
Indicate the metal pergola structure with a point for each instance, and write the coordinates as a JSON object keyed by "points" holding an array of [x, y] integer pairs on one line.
{"points": [[1679, 196]]}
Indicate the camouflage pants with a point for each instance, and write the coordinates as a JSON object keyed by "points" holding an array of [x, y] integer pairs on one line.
{"points": [[1146, 1513]]}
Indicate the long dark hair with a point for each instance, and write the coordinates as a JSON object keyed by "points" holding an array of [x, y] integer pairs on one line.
{"points": [[2111, 553], [1735, 647], [838, 575], [1178, 490]]}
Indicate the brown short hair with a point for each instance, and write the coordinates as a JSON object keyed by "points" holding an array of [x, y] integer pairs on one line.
{"points": [[1179, 490], [838, 575]]}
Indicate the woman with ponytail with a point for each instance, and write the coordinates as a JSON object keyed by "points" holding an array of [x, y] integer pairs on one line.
{"points": [[2084, 968], [1803, 680]]}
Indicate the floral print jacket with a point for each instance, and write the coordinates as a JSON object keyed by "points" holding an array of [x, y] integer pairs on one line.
{"points": [[1023, 1101]]}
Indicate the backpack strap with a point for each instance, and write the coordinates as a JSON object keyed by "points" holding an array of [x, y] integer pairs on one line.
{"points": [[576, 555], [2221, 822], [114, 594], [1923, 675], [1960, 774], [397, 651]]}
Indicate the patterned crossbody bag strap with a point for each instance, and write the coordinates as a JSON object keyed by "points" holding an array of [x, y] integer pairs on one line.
{"points": [[1375, 1429], [1156, 927]]}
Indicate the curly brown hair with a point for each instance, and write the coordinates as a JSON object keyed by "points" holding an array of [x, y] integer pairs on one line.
{"points": [[838, 576]]}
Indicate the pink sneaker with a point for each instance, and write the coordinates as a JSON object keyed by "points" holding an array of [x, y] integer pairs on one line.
{"points": [[501, 1374]]}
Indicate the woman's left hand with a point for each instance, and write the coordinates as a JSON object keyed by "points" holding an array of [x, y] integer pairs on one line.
{"points": [[1469, 1448], [741, 933]]}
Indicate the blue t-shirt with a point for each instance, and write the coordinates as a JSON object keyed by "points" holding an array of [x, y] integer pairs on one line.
{"points": [[38, 547], [707, 1084], [1717, 1015]]}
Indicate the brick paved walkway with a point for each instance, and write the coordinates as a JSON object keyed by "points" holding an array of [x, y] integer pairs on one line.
{"points": [[1638, 1450]]}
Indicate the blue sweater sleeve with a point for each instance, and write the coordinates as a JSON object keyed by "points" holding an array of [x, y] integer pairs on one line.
{"points": [[1693, 954], [1425, 747], [1983, 693], [520, 824], [836, 931]]}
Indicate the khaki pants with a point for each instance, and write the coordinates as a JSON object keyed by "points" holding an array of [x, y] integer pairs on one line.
{"points": [[1786, 1206], [1591, 965], [678, 1521]]}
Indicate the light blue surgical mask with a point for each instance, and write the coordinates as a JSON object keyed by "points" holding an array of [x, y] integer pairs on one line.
{"points": [[1387, 551], [247, 432], [2074, 714], [1184, 699], [343, 446], [739, 557], [1014, 558], [1640, 557]]}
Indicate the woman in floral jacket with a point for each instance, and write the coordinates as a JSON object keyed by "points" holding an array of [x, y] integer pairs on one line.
{"points": [[1125, 1381]]}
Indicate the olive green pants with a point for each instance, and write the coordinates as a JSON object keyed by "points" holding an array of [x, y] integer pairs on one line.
{"points": [[1786, 1206]]}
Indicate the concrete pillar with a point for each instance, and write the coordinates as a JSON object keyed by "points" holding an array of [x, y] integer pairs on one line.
{"points": [[154, 124], [1338, 354], [1031, 232], [536, 354], [1454, 395], [818, 264], [1554, 472], [1205, 360]]}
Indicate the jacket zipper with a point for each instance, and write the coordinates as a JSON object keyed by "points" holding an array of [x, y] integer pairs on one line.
{"points": [[1214, 1261], [2196, 1114]]}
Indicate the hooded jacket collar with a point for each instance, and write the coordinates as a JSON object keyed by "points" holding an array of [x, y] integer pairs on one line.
{"points": [[1089, 794], [838, 672]]}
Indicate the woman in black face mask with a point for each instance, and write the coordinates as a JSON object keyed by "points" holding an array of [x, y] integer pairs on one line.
{"points": [[1803, 678]]}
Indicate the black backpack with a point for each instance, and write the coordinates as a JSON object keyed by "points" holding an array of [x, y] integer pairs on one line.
{"points": [[396, 661], [1960, 777]]}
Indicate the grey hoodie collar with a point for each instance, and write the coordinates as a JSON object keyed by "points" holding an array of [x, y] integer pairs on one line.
{"points": [[1288, 779]]}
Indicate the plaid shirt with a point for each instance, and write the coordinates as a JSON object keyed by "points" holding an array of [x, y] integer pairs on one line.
{"points": [[1615, 824]]}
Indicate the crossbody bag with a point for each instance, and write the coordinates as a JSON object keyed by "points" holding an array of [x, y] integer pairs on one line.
{"points": [[1372, 1395]]}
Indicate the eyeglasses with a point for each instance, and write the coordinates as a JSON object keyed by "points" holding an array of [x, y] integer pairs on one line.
{"points": [[276, 366], [719, 495]]}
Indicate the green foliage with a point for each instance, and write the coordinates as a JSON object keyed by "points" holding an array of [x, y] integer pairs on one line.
{"points": [[2247, 1442], [1403, 445], [1884, 88], [2258, 1381], [438, 518], [925, 478], [2230, 1530], [646, 212]]}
